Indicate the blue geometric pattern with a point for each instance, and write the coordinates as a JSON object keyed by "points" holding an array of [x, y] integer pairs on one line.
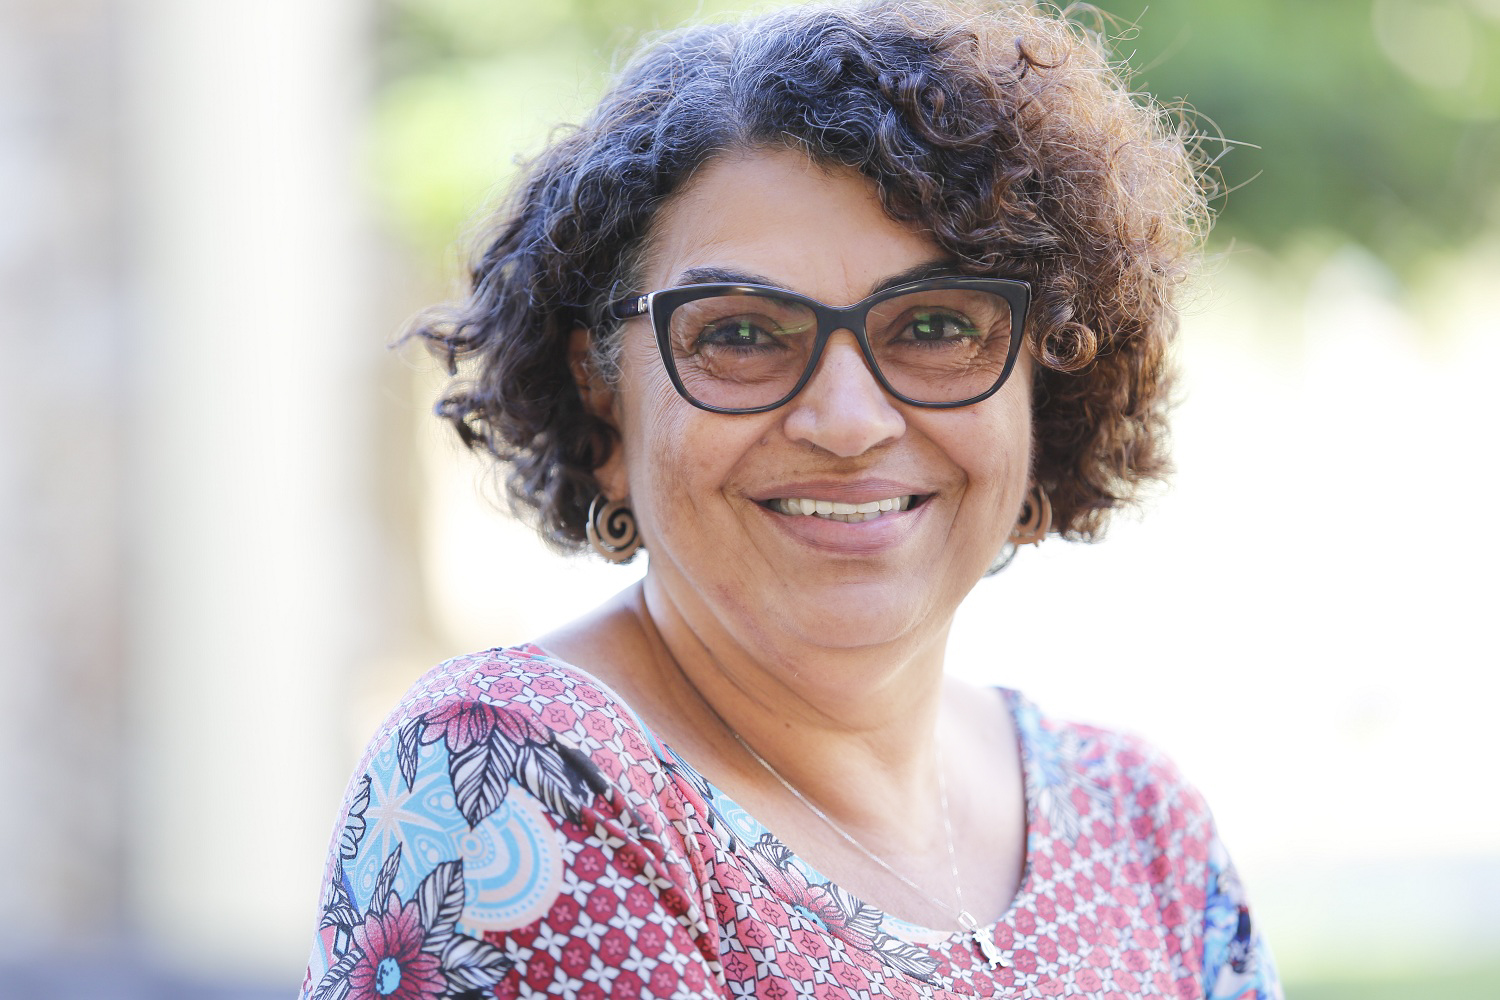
{"points": [[512, 862]]}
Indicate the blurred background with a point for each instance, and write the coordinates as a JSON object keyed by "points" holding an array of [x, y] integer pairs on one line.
{"points": [[231, 534]]}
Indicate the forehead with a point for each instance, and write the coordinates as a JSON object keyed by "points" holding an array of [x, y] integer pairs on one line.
{"points": [[775, 214]]}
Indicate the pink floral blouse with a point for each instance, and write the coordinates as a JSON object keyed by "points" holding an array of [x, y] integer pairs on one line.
{"points": [[514, 830]]}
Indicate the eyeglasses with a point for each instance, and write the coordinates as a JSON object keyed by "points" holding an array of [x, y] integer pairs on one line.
{"points": [[940, 342]]}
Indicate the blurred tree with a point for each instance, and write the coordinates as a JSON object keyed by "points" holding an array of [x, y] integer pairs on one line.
{"points": [[1373, 120], [1378, 121], [466, 87]]}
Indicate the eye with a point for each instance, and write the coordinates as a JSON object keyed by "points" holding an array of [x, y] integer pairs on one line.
{"points": [[739, 332], [937, 325]]}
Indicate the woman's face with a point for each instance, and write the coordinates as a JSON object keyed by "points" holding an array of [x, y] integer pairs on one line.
{"points": [[707, 488]]}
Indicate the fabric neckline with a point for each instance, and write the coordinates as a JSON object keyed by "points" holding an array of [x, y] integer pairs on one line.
{"points": [[746, 828]]}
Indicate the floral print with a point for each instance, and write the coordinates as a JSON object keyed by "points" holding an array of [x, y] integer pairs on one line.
{"points": [[515, 831], [403, 951], [392, 962]]}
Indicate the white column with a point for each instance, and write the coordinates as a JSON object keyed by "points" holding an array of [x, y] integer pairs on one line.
{"points": [[255, 560]]}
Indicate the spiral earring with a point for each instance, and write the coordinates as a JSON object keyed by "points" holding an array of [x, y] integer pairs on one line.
{"points": [[612, 529], [1035, 520]]}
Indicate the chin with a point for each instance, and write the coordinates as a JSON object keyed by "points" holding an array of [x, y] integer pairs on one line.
{"points": [[850, 616]]}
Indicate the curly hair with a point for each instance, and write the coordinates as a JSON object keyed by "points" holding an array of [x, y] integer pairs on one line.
{"points": [[1004, 132]]}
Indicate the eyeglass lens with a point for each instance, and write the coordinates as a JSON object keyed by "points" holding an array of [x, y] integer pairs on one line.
{"points": [[740, 351]]}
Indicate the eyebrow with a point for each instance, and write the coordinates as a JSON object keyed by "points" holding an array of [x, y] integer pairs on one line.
{"points": [[721, 275]]}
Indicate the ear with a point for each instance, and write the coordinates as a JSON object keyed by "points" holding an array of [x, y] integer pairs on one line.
{"points": [[599, 399]]}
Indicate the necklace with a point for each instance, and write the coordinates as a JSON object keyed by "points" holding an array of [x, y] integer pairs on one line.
{"points": [[991, 952], [993, 956]]}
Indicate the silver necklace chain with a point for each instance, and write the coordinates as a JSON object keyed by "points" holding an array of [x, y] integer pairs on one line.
{"points": [[986, 945]]}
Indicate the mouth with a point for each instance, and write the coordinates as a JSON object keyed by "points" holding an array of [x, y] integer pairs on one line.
{"points": [[837, 510]]}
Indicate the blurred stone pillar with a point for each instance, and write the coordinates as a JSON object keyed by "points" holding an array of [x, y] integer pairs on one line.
{"points": [[60, 414], [254, 552]]}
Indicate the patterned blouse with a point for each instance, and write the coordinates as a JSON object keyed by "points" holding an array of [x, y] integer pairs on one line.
{"points": [[515, 831]]}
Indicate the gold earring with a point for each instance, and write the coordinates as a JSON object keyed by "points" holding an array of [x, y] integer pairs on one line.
{"points": [[612, 529], [1035, 520]]}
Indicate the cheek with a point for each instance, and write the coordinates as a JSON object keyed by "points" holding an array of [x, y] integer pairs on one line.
{"points": [[665, 446], [1019, 427], [996, 457], [666, 450], [997, 446]]}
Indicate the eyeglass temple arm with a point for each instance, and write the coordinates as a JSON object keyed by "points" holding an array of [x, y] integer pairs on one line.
{"points": [[634, 305]]}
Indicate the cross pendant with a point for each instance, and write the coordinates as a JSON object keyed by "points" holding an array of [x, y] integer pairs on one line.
{"points": [[993, 956]]}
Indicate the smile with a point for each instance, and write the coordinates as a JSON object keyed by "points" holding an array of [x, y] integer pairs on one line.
{"points": [[850, 513]]}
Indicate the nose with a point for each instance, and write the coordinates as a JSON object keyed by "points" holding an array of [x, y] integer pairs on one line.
{"points": [[843, 410]]}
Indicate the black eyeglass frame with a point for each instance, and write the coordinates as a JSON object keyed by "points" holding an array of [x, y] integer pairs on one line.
{"points": [[660, 305]]}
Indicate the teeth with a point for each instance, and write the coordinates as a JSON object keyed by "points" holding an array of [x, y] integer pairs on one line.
{"points": [[851, 513]]}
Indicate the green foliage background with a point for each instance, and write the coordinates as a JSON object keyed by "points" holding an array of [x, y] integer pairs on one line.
{"points": [[466, 88], [1376, 121]]}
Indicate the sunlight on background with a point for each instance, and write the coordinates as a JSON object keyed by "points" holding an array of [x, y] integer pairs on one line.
{"points": [[1300, 619], [234, 533]]}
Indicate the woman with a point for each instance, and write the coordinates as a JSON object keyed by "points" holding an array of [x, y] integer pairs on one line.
{"points": [[828, 311]]}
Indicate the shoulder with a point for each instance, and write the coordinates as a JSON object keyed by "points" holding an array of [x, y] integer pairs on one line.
{"points": [[517, 714], [1138, 783], [1104, 801], [522, 679], [475, 727], [1096, 794], [518, 693], [506, 788]]}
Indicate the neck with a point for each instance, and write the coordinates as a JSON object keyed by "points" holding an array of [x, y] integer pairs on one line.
{"points": [[854, 731], [851, 729]]}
